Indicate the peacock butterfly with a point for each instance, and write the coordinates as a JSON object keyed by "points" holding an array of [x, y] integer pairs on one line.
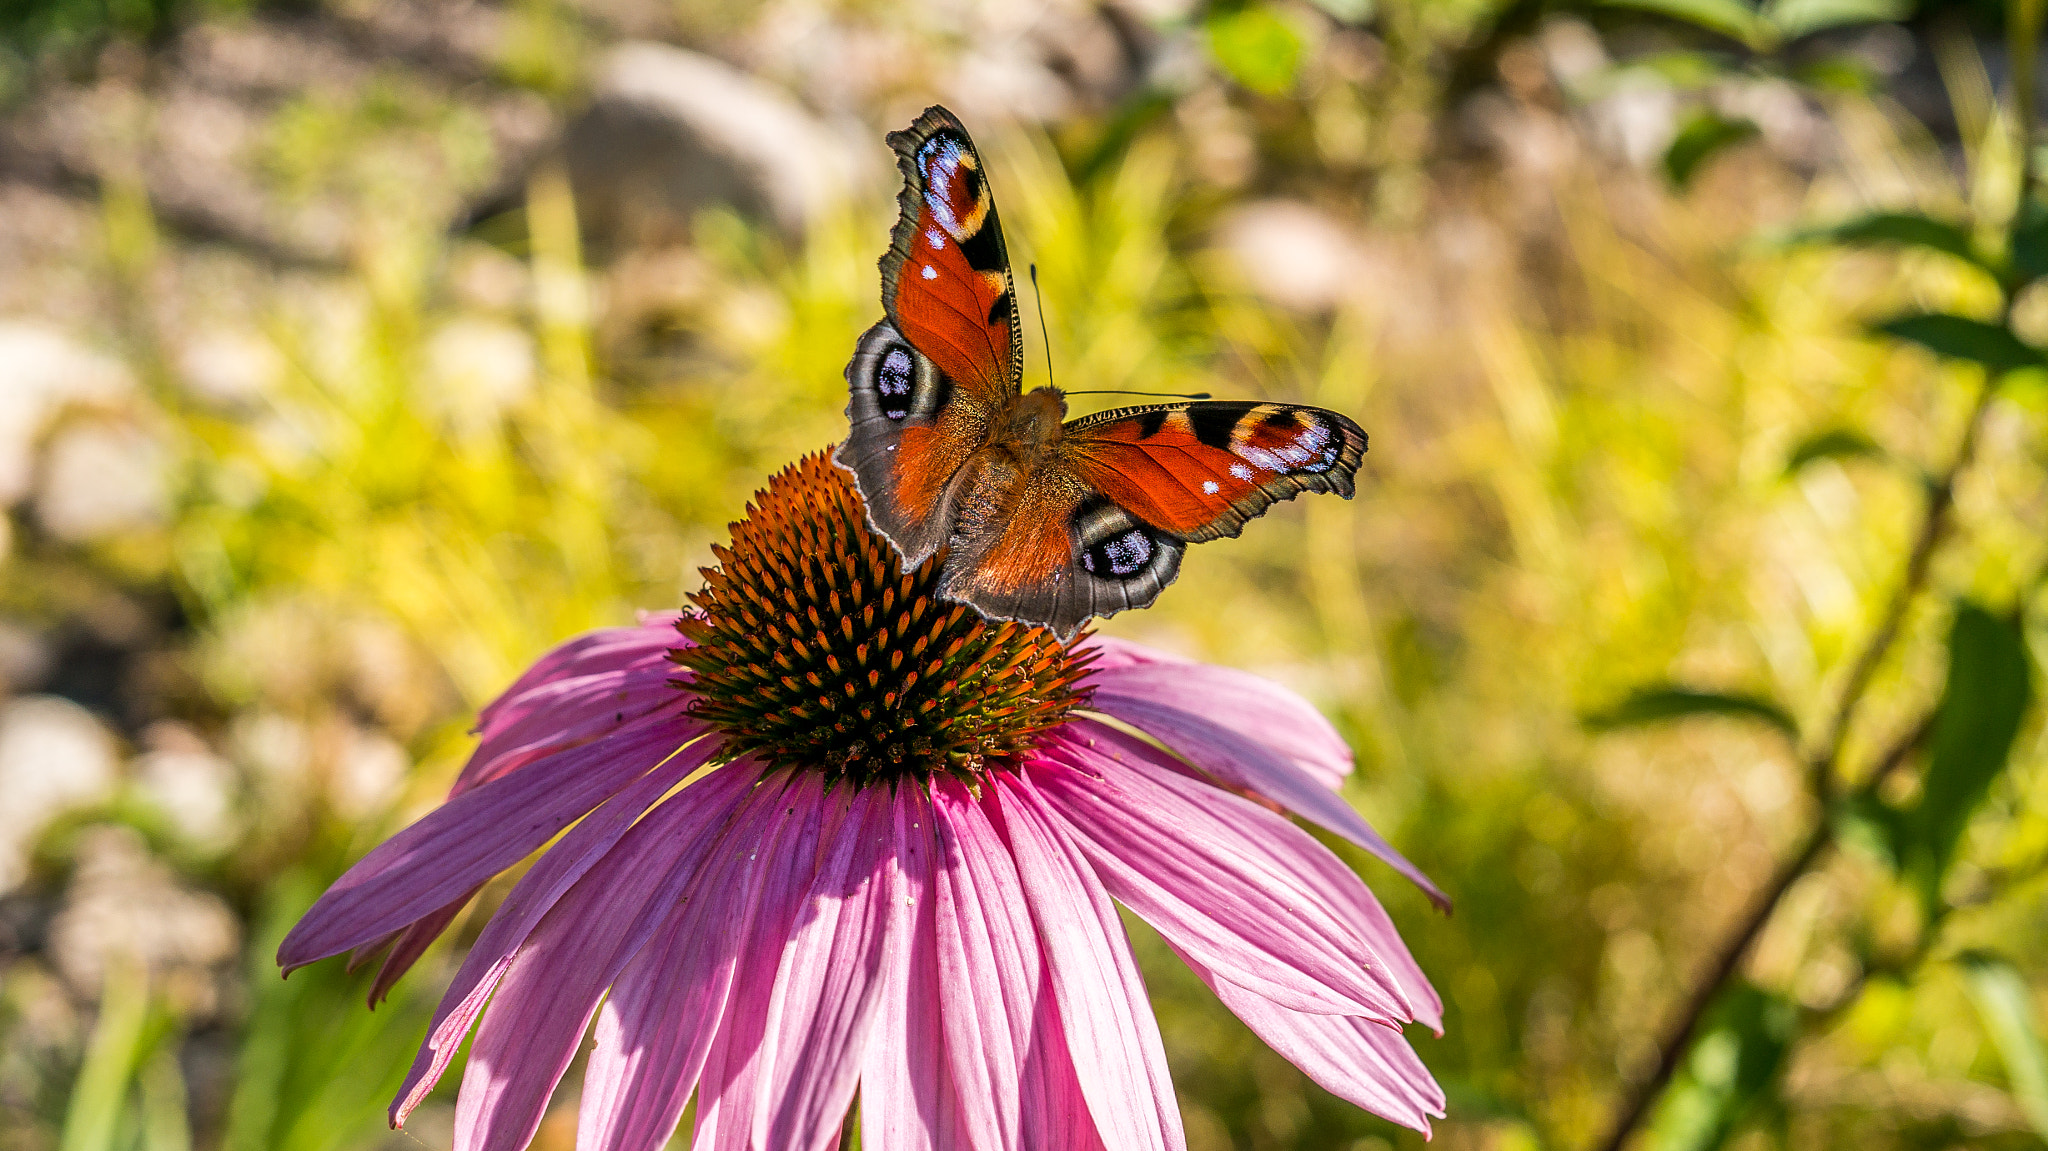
{"points": [[1048, 521]]}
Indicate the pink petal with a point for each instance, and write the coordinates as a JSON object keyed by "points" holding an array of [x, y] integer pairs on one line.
{"points": [[413, 942], [727, 1088], [538, 890], [476, 835], [1246, 732], [1218, 876], [1348, 895], [829, 984], [607, 649], [1120, 1064], [1362, 1062], [621, 677], [1249, 705], [907, 1101], [548, 992], [657, 1025], [1008, 1052]]}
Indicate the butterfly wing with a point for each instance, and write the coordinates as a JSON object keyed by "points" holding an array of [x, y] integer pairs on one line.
{"points": [[928, 382], [1044, 547], [1101, 525], [1201, 470]]}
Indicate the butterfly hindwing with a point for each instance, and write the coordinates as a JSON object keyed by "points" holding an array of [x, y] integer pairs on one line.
{"points": [[946, 277], [1201, 470], [912, 430], [1042, 546]]}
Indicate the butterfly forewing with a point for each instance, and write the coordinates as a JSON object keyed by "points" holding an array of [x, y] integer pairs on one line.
{"points": [[946, 277], [1201, 470]]}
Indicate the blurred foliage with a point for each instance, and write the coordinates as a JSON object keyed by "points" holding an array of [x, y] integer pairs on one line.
{"points": [[1638, 609]]}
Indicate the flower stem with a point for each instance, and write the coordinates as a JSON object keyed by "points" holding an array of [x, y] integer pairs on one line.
{"points": [[1821, 770]]}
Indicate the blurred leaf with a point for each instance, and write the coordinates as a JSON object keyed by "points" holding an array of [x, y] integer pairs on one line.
{"points": [[120, 1040], [1908, 228], [1974, 728], [1961, 338], [1685, 69], [1730, 18], [1663, 702], [316, 1070], [1731, 1067], [2030, 241], [2007, 1005], [1796, 18], [1837, 73], [1871, 825], [1348, 11], [1832, 444], [1257, 47], [1704, 135], [166, 1123]]}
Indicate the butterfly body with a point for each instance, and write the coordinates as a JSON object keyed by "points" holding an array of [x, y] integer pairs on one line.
{"points": [[1047, 520]]}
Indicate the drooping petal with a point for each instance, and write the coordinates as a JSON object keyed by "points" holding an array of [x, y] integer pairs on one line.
{"points": [[1362, 1062], [1252, 706], [907, 1101], [1348, 895], [1120, 1062], [476, 835], [727, 1086], [610, 678], [413, 942], [1219, 876], [829, 984], [1005, 1044], [541, 887], [1247, 732], [658, 1023], [537, 1017], [606, 649]]}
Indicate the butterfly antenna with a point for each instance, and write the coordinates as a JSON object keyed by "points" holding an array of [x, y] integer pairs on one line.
{"points": [[1155, 395], [1043, 338], [1105, 392]]}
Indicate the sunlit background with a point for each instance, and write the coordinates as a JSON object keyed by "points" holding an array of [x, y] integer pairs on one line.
{"points": [[352, 353]]}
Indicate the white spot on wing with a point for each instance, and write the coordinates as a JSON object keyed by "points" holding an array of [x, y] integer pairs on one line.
{"points": [[1240, 471], [935, 238], [928, 273], [1209, 487]]}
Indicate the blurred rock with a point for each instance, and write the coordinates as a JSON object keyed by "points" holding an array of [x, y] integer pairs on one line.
{"points": [[54, 757], [484, 366], [669, 132], [1293, 254], [276, 751], [99, 479], [227, 366], [42, 370], [366, 774], [25, 654], [403, 688], [193, 787], [124, 906]]}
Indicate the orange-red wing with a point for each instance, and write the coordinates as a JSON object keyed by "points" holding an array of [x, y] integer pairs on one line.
{"points": [[1036, 544], [1201, 470], [911, 431], [946, 276]]}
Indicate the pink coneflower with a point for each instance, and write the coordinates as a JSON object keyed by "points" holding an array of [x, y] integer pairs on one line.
{"points": [[845, 837]]}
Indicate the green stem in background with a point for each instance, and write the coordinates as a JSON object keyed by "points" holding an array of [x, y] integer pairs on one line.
{"points": [[2022, 37], [1821, 768]]}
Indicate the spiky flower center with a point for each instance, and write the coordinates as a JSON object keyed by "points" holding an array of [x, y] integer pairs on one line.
{"points": [[813, 648]]}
